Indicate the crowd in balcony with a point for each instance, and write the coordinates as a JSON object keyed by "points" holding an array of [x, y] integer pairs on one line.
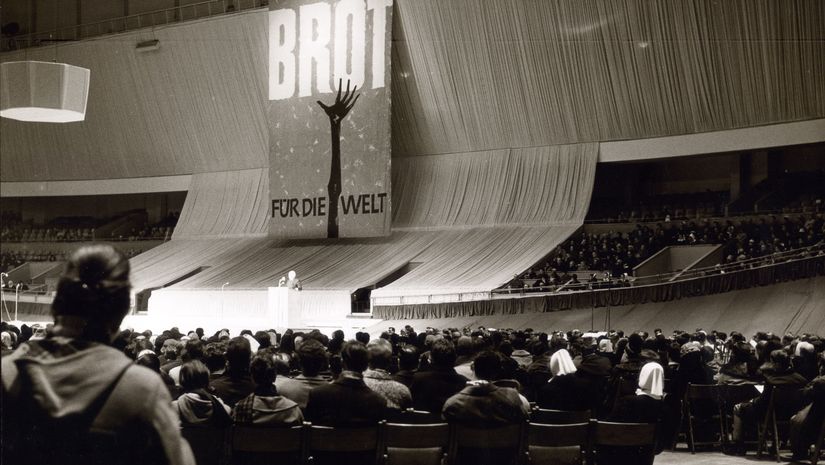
{"points": [[670, 207], [612, 256], [81, 229]]}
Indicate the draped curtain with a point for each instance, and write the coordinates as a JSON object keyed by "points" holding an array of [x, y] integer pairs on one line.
{"points": [[538, 185], [467, 221], [467, 76], [471, 75], [225, 204]]}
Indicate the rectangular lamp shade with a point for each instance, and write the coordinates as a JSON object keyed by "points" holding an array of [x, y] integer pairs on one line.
{"points": [[41, 91]]}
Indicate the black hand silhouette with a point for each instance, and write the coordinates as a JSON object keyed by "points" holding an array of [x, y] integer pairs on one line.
{"points": [[339, 110], [336, 113]]}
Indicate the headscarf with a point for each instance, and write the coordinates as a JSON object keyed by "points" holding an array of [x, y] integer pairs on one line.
{"points": [[651, 381], [561, 363], [803, 346], [605, 345]]}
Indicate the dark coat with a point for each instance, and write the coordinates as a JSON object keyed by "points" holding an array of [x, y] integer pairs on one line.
{"points": [[431, 388], [231, 389], [346, 401], [567, 392]]}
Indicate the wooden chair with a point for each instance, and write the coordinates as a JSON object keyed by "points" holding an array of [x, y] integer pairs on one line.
{"points": [[326, 444], [208, 444], [557, 443], [730, 395], [623, 435], [487, 446], [415, 444], [253, 445], [784, 402], [559, 417], [695, 395], [414, 417]]}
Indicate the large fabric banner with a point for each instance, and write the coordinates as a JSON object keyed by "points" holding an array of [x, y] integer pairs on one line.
{"points": [[329, 118]]}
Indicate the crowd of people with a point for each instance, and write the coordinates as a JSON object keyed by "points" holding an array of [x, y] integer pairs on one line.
{"points": [[83, 370], [84, 374], [617, 253], [83, 229], [661, 208]]}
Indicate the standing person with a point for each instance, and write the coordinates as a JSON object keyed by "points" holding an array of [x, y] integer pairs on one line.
{"points": [[71, 398]]}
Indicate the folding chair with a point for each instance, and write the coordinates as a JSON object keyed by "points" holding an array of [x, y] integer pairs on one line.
{"points": [[636, 439], [732, 394], [556, 444], [784, 402], [252, 445], [487, 446], [559, 417], [414, 417], [415, 444], [697, 395], [207, 443], [326, 444]]}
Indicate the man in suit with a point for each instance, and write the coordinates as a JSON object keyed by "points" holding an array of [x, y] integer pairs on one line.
{"points": [[347, 401], [431, 388]]}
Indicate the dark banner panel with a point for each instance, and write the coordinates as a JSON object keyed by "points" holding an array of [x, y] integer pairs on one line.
{"points": [[329, 118]]}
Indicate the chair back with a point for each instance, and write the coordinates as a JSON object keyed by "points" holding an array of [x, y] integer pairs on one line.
{"points": [[207, 443], [559, 417], [733, 394], [415, 444], [563, 435], [261, 439], [703, 392], [786, 401], [557, 444], [416, 435], [624, 434], [498, 445], [333, 439], [415, 417]]}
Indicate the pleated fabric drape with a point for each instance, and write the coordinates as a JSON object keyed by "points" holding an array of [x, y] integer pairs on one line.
{"points": [[472, 75], [538, 185], [467, 76], [467, 222], [226, 203]]}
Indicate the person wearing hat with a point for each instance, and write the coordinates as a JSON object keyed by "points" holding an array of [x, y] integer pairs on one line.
{"points": [[71, 398]]}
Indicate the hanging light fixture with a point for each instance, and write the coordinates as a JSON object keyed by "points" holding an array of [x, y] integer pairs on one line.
{"points": [[43, 92]]}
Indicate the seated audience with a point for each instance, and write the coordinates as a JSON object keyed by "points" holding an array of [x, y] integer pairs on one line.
{"points": [[432, 387], [806, 425], [776, 372], [378, 378], [407, 365], [565, 390], [197, 406], [264, 406], [347, 401], [235, 383], [71, 398], [313, 360], [481, 402]]}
